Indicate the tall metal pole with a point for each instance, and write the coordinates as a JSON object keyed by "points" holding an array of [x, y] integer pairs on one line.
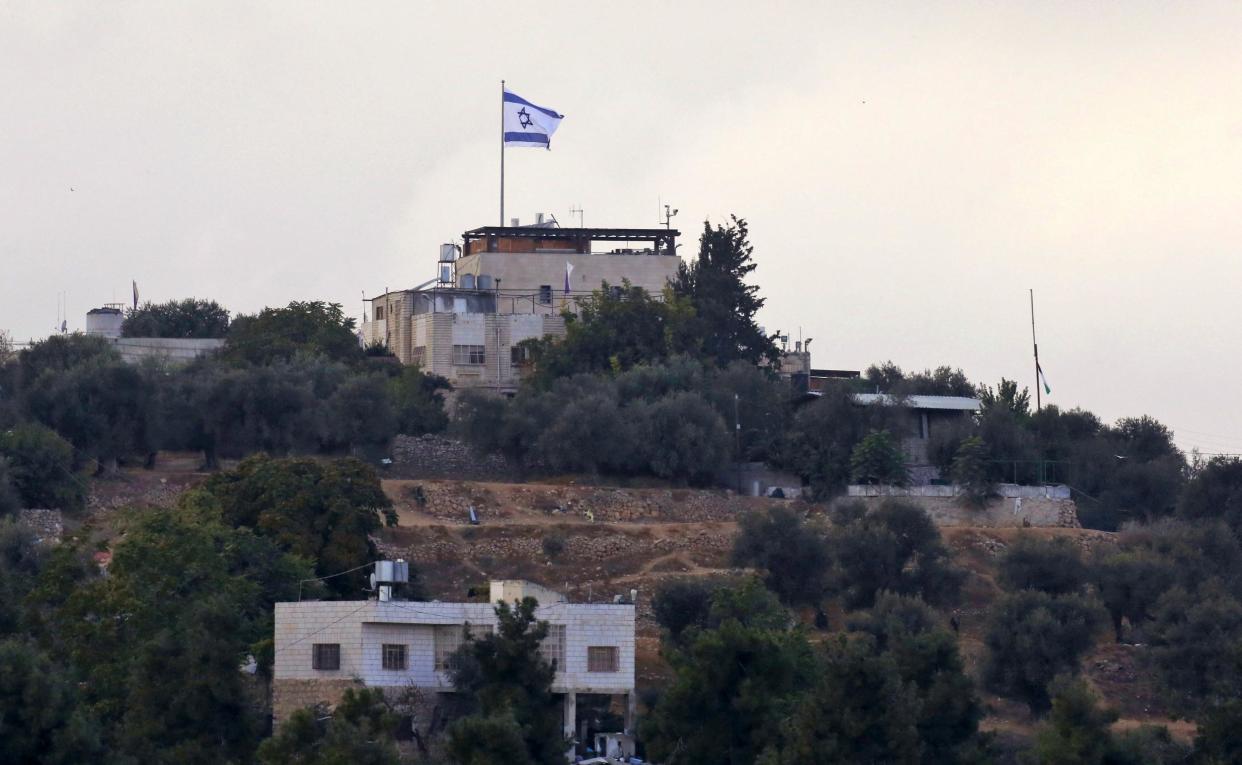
{"points": [[1038, 403], [502, 152]]}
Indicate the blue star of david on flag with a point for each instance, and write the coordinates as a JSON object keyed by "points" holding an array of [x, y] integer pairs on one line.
{"points": [[527, 124]]}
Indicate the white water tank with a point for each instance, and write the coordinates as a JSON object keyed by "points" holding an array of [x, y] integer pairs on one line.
{"points": [[105, 321]]}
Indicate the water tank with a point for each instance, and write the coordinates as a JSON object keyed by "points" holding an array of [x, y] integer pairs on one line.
{"points": [[104, 321], [448, 253], [484, 281], [467, 281]]}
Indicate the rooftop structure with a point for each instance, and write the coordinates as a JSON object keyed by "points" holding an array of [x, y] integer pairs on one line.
{"points": [[506, 284]]}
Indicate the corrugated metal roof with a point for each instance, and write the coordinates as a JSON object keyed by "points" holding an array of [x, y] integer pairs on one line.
{"points": [[951, 403]]}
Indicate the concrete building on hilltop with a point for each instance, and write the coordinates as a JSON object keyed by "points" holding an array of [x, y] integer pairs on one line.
{"points": [[324, 647], [506, 284], [106, 322]]}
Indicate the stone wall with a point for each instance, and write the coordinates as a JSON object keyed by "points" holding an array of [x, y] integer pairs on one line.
{"points": [[288, 696], [433, 456], [1000, 512], [47, 525]]}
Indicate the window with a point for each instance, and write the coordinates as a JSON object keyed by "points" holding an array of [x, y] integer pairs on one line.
{"points": [[552, 649], [393, 656], [449, 637], [326, 656], [379, 313], [603, 658], [545, 294], [468, 354], [418, 355]]}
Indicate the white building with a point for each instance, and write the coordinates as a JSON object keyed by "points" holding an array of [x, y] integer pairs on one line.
{"points": [[324, 647]]}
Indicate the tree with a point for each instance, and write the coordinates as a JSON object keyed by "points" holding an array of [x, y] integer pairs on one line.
{"points": [[792, 554], [878, 459], [1215, 491], [895, 548], [1196, 646], [823, 435], [99, 405], [187, 318], [358, 731], [504, 674], [679, 604], [732, 687], [928, 661], [41, 468], [857, 710], [725, 306], [279, 334], [21, 559], [158, 642], [41, 718], [10, 502], [1220, 734], [1053, 565], [617, 328], [941, 381], [323, 511], [418, 402], [492, 740], [60, 353], [589, 432], [1077, 730], [358, 413], [1007, 397], [971, 472], [1031, 637], [683, 438], [1129, 583]]}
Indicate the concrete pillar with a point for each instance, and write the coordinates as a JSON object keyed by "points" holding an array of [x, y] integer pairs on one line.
{"points": [[631, 714], [570, 721]]}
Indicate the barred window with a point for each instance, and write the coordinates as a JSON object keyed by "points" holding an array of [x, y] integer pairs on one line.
{"points": [[379, 313], [545, 294], [468, 354], [418, 355], [449, 637], [394, 656], [326, 656], [603, 658], [552, 649]]}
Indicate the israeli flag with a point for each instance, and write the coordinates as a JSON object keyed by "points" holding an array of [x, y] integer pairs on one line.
{"points": [[527, 124]]}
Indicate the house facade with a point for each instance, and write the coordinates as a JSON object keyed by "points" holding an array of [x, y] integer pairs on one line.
{"points": [[324, 647], [506, 284]]}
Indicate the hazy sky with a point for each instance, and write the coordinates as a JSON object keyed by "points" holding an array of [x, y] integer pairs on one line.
{"points": [[908, 169]]}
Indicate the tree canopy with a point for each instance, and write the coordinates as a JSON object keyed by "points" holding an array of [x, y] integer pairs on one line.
{"points": [[187, 318]]}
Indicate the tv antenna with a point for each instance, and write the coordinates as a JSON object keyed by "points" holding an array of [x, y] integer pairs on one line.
{"points": [[577, 210]]}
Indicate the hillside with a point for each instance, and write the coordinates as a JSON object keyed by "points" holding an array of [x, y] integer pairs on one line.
{"points": [[596, 542]]}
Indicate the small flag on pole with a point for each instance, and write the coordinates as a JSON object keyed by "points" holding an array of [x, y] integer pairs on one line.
{"points": [[569, 271], [528, 125], [135, 295], [1043, 380]]}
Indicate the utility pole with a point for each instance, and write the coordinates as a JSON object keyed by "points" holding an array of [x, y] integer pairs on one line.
{"points": [[737, 443]]}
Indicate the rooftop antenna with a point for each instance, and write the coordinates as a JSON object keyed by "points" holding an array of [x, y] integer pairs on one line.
{"points": [[577, 210]]}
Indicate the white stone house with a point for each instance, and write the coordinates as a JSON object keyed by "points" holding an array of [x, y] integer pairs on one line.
{"points": [[324, 647]]}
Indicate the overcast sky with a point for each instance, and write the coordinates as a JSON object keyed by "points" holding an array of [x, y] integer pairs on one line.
{"points": [[909, 170]]}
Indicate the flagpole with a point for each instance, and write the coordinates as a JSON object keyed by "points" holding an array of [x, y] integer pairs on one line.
{"points": [[1038, 403], [502, 152]]}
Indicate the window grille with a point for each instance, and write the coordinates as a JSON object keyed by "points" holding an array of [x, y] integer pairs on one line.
{"points": [[468, 354], [603, 658], [545, 294], [552, 649], [326, 656], [394, 656], [449, 637]]}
